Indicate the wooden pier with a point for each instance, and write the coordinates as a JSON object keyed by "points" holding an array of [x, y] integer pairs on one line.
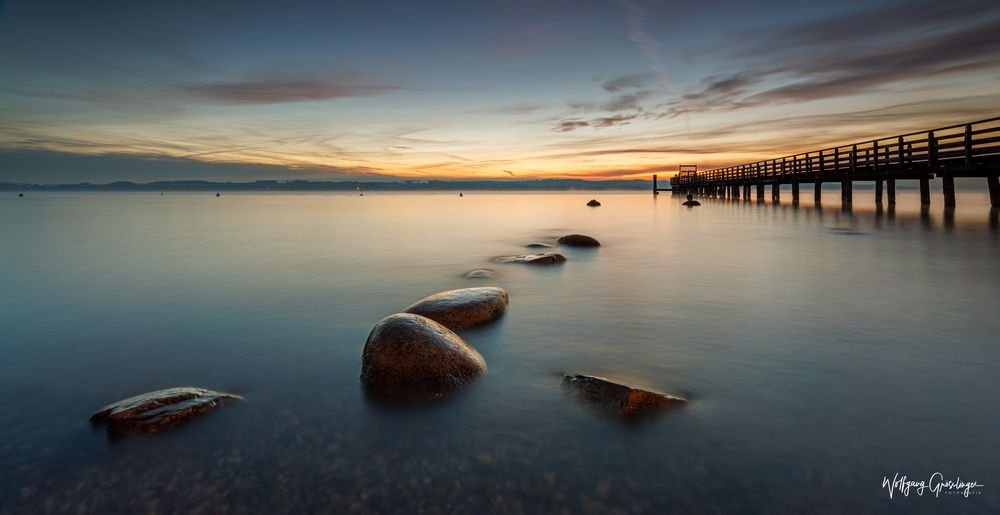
{"points": [[966, 150]]}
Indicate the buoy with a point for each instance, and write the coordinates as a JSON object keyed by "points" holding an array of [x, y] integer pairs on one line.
{"points": [[20, 194], [460, 194], [217, 194]]}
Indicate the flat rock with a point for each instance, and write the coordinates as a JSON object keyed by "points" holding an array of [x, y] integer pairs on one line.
{"points": [[691, 203], [545, 258], [624, 400], [593, 203], [482, 273], [465, 307], [410, 357], [579, 240], [538, 245], [154, 411]]}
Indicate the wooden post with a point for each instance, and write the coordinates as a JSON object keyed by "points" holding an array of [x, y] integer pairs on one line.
{"points": [[846, 191], [948, 182], [736, 192], [932, 154], [968, 145], [925, 190], [891, 187], [654, 185], [775, 191], [994, 182], [878, 191], [795, 192], [818, 192], [874, 162], [760, 192], [899, 158]]}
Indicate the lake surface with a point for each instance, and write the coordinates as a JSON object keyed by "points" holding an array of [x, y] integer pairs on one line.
{"points": [[821, 349]]}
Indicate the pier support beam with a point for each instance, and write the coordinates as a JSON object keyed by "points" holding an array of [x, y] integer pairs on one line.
{"points": [[818, 192], [846, 191], [775, 191], [878, 191], [994, 182], [736, 192], [891, 190], [925, 190], [760, 192], [795, 192], [949, 190]]}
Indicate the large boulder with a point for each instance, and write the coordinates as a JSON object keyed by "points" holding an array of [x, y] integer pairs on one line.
{"points": [[154, 411], [578, 240], [540, 245], [691, 203], [624, 400], [545, 258], [465, 307], [593, 203], [410, 357]]}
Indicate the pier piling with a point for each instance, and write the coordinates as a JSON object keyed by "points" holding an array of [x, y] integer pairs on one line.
{"points": [[994, 182], [949, 190]]}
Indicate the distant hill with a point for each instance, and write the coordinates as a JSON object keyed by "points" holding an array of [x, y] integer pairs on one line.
{"points": [[431, 185]]}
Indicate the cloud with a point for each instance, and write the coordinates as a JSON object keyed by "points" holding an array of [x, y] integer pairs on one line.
{"points": [[275, 91], [884, 22], [610, 121], [41, 166], [515, 109], [833, 72], [624, 83], [570, 125]]}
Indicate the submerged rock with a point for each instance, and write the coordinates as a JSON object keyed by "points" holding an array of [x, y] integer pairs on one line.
{"points": [[593, 203], [545, 258], [482, 273], [691, 203], [579, 240], [410, 357], [154, 411], [625, 400], [465, 307], [538, 245]]}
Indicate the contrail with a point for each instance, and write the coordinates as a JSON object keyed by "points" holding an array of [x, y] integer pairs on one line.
{"points": [[635, 15]]}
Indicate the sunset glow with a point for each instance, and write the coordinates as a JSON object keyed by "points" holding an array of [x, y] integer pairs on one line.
{"points": [[616, 90]]}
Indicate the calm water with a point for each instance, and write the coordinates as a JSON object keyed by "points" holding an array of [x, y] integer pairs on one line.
{"points": [[821, 349]]}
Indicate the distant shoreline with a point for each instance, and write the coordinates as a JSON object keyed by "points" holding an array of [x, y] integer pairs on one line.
{"points": [[435, 185]]}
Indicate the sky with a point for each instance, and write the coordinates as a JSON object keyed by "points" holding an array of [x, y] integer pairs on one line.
{"points": [[99, 91]]}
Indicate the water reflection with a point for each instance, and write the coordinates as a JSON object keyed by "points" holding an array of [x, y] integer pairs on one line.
{"points": [[819, 347]]}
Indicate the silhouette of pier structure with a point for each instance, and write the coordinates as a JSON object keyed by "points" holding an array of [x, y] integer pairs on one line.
{"points": [[965, 150]]}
